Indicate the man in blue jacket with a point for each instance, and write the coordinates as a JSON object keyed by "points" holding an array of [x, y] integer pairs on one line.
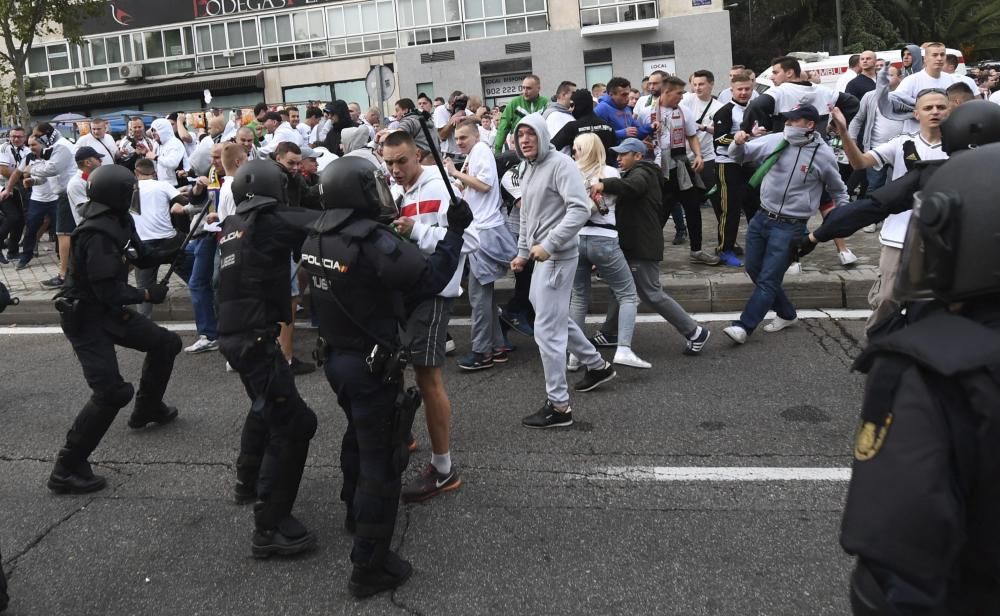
{"points": [[613, 108]]}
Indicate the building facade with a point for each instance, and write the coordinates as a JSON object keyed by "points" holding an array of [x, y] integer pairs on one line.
{"points": [[161, 57]]}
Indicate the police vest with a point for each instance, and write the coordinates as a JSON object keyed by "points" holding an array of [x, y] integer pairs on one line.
{"points": [[254, 283], [114, 265], [355, 311]]}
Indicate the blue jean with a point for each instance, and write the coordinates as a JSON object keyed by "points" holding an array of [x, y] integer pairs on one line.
{"points": [[197, 271], [768, 255], [606, 254], [37, 211], [877, 179]]}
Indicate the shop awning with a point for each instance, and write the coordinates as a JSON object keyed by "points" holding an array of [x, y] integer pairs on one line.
{"points": [[81, 98]]}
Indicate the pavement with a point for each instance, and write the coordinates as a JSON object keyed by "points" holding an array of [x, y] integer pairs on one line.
{"points": [[543, 524], [823, 283]]}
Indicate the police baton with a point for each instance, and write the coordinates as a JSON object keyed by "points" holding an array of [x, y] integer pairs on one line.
{"points": [[437, 159], [187, 238]]}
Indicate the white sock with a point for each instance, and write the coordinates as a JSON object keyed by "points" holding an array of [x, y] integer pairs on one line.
{"points": [[441, 462], [697, 333]]}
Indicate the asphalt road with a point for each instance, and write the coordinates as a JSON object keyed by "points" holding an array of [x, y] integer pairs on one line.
{"points": [[542, 524]]}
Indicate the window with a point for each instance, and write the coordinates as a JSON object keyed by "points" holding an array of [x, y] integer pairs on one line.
{"points": [[599, 12], [426, 88], [498, 9], [597, 73], [302, 94]]}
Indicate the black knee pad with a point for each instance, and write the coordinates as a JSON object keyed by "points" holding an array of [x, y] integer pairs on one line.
{"points": [[171, 343], [116, 397]]}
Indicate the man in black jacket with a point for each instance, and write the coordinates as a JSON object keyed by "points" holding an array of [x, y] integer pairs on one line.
{"points": [[640, 218], [340, 118], [585, 121], [95, 320]]}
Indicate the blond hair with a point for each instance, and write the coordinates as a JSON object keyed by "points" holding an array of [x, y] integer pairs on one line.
{"points": [[590, 156], [233, 156]]}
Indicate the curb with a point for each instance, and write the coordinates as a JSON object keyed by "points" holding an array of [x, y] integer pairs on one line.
{"points": [[724, 292]]}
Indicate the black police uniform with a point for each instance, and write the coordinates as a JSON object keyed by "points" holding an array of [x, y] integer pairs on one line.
{"points": [[923, 507], [4, 599], [363, 279], [95, 319], [254, 298]]}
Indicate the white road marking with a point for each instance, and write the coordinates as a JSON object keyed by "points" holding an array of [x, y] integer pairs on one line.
{"points": [[702, 317], [721, 473]]}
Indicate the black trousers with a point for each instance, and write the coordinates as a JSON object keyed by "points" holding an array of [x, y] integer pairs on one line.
{"points": [[735, 197], [519, 302], [370, 458], [4, 599], [11, 223], [276, 434], [94, 336], [690, 202]]}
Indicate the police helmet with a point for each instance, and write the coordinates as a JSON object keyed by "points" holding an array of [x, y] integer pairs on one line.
{"points": [[6, 299], [259, 182], [113, 186], [971, 125], [953, 242], [353, 183]]}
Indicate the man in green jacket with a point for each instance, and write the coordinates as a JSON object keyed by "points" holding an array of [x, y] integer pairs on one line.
{"points": [[529, 102]]}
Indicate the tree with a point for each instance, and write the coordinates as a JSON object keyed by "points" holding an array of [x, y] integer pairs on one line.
{"points": [[966, 24], [27, 19]]}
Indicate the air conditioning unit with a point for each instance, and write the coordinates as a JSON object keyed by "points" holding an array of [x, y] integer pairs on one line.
{"points": [[131, 72]]}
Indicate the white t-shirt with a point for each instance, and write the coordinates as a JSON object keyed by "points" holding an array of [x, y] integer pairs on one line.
{"points": [[695, 108], [76, 193], [845, 79], [106, 147], [891, 153], [227, 203], [603, 219], [556, 121], [154, 200], [11, 159], [43, 189], [671, 121], [481, 165], [917, 82], [441, 119], [995, 97], [644, 107]]}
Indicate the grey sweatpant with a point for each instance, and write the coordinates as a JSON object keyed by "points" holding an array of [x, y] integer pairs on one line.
{"points": [[145, 278], [555, 331], [486, 334], [647, 283]]}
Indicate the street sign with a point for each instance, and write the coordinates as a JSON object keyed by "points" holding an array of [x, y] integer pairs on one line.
{"points": [[380, 76]]}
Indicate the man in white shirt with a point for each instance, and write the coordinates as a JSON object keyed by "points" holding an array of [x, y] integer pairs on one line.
{"points": [[481, 190], [278, 132], [901, 152], [646, 105], [950, 68], [170, 153], [870, 129], [99, 139], [87, 160], [42, 203], [558, 113], [201, 160], [157, 201], [245, 139], [447, 117], [295, 121], [233, 157], [310, 126], [853, 70], [702, 106], [11, 208], [933, 76]]}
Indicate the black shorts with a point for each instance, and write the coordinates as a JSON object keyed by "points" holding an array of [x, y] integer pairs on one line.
{"points": [[427, 332], [65, 224]]}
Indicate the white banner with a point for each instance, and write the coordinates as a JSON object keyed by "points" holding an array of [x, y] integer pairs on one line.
{"points": [[659, 64]]}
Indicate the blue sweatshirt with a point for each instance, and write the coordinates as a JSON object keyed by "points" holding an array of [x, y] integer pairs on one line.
{"points": [[620, 119]]}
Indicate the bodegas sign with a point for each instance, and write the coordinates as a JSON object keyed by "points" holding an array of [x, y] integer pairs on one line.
{"points": [[133, 14]]}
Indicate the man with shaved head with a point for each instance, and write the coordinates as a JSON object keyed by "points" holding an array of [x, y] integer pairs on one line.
{"points": [[865, 81]]}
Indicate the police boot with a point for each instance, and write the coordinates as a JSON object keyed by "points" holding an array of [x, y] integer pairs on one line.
{"points": [[391, 573], [146, 413], [289, 538], [73, 475]]}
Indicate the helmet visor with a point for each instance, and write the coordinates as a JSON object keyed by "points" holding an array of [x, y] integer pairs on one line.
{"points": [[135, 204], [926, 268], [388, 208]]}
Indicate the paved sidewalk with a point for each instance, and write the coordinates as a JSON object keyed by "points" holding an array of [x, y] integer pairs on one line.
{"points": [[823, 283]]}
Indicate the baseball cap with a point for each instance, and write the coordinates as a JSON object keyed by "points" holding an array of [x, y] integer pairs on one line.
{"points": [[807, 112], [328, 108], [308, 152], [630, 144], [86, 152]]}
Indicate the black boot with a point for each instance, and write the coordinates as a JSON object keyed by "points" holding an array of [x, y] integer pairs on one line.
{"points": [[4, 599], [288, 539], [74, 476], [145, 414], [391, 573]]}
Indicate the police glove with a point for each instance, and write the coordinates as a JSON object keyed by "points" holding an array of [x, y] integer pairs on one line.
{"points": [[802, 246], [157, 293], [459, 216]]}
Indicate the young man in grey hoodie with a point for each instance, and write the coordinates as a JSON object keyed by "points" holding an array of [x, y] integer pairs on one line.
{"points": [[797, 165], [554, 207]]}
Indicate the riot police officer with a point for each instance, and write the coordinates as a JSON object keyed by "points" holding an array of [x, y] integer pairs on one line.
{"points": [[95, 318], [254, 286], [923, 508], [4, 599], [364, 279]]}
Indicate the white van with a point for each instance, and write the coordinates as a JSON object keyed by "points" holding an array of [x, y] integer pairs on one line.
{"points": [[830, 68]]}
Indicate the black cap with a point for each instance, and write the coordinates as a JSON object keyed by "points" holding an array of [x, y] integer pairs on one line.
{"points": [[807, 112], [86, 152]]}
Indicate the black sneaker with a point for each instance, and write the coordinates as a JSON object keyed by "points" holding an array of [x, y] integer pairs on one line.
{"points": [[604, 340], [517, 322], [368, 581], [75, 482], [593, 379], [680, 238], [300, 367], [22, 264], [549, 417], [430, 483], [54, 283], [161, 415], [695, 345], [288, 539]]}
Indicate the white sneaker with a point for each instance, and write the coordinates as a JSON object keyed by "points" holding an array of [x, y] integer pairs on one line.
{"points": [[736, 333], [779, 324], [202, 345], [848, 258], [573, 364], [872, 228], [624, 356], [794, 268]]}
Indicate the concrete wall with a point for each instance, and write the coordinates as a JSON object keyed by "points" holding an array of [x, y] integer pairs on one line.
{"points": [[700, 40]]}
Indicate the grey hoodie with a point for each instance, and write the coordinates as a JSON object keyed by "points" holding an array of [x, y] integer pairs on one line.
{"points": [[554, 200], [795, 183]]}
